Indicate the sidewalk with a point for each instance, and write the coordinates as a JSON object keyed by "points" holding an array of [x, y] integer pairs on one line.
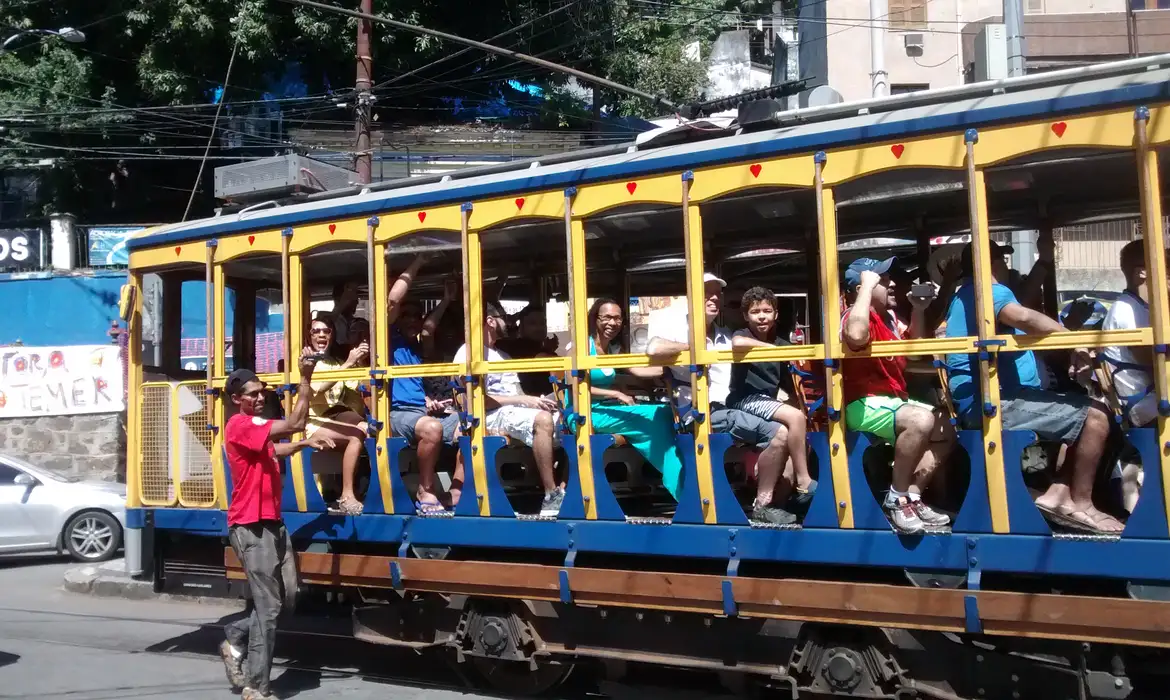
{"points": [[110, 580]]}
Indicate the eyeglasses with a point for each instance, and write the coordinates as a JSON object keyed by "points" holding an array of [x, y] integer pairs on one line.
{"points": [[321, 331], [610, 318]]}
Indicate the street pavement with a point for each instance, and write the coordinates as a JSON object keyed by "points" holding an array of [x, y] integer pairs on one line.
{"points": [[56, 645]]}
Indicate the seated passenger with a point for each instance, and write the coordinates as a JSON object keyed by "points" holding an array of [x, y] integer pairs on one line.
{"points": [[876, 401], [421, 420], [345, 302], [529, 419], [338, 409], [1133, 366], [532, 340], [669, 336], [1074, 420], [756, 386], [648, 427]]}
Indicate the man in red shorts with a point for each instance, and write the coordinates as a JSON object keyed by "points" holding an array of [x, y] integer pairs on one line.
{"points": [[255, 529]]}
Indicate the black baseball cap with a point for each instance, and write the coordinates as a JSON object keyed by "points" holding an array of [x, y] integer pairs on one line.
{"points": [[237, 380], [492, 310], [996, 249]]}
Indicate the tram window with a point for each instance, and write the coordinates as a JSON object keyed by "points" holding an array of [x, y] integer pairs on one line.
{"points": [[336, 288], [253, 336]]}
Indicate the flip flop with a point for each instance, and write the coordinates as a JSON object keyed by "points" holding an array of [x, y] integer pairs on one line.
{"points": [[1067, 521], [425, 509]]}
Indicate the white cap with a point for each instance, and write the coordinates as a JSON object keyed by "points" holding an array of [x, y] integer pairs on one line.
{"points": [[708, 277]]}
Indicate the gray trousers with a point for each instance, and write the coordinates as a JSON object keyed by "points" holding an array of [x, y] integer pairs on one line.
{"points": [[266, 552]]}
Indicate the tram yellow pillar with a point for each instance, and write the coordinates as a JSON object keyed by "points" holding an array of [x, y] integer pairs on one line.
{"points": [[579, 383], [296, 334], [700, 358], [985, 322], [1150, 189], [382, 350], [477, 406], [134, 398], [834, 393]]}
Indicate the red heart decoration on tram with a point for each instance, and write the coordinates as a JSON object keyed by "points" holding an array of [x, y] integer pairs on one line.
{"points": [[897, 149], [1058, 128], [519, 202], [631, 186], [422, 216], [178, 249], [332, 229], [756, 169], [251, 240]]}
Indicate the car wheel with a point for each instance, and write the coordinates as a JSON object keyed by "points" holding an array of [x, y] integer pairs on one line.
{"points": [[92, 536]]}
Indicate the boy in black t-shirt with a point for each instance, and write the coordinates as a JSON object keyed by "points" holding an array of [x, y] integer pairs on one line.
{"points": [[755, 386]]}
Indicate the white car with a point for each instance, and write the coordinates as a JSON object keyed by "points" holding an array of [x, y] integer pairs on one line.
{"points": [[43, 511]]}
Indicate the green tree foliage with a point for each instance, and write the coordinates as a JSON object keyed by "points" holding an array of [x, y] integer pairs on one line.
{"points": [[130, 86]]}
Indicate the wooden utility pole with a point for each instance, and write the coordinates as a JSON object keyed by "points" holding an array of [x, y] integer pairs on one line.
{"points": [[364, 102]]}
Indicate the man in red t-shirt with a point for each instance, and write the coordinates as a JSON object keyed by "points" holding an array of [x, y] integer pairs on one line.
{"points": [[876, 401], [255, 529]]}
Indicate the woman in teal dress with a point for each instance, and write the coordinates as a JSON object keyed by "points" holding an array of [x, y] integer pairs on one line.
{"points": [[647, 427]]}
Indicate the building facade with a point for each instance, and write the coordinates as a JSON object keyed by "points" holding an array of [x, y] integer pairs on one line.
{"points": [[932, 43]]}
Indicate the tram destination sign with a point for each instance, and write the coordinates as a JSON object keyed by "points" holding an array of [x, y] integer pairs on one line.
{"points": [[60, 381]]}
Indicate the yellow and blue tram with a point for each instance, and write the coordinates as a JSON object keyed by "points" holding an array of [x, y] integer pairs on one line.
{"points": [[825, 606]]}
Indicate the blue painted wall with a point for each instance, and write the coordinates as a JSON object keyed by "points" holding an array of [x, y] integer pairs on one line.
{"points": [[61, 310]]}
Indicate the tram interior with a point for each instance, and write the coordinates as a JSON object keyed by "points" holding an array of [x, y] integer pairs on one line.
{"points": [[767, 237]]}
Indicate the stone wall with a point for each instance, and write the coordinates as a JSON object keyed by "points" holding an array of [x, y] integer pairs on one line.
{"points": [[88, 447]]}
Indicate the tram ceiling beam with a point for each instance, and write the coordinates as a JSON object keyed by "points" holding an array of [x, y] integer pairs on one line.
{"points": [[548, 65]]}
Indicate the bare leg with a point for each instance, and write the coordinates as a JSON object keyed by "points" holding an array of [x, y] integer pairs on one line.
{"points": [[456, 491], [428, 434], [794, 420], [770, 482], [543, 450], [1072, 493], [926, 473], [913, 427]]}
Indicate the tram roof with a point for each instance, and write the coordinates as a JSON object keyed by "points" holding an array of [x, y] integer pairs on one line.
{"points": [[1044, 95]]}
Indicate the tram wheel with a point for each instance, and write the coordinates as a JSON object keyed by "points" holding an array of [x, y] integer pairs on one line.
{"points": [[518, 678]]}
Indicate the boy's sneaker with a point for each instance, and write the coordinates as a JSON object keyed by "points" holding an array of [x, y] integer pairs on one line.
{"points": [[551, 505], [250, 694], [771, 515], [903, 515], [930, 516], [232, 665]]}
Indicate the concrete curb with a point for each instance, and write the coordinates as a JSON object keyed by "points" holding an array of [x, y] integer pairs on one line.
{"points": [[110, 580]]}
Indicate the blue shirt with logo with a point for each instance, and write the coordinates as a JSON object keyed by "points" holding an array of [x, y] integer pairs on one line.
{"points": [[1017, 370], [406, 391]]}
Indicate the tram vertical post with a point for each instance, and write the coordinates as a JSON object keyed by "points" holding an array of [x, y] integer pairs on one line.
{"points": [[697, 340], [579, 337], [371, 306], [285, 244], [476, 408], [1150, 192], [987, 343], [831, 316]]}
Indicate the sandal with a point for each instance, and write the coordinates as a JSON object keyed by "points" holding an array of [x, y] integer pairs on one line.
{"points": [[429, 508], [802, 497], [1085, 523], [350, 507]]}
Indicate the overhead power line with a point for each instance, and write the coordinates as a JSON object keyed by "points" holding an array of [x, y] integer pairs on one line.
{"points": [[215, 123], [548, 65]]}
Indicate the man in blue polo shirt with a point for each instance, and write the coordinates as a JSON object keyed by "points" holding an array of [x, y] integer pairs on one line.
{"points": [[1072, 419], [414, 416]]}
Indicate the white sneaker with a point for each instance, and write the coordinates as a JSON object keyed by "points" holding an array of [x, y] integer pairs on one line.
{"points": [[903, 515], [929, 515]]}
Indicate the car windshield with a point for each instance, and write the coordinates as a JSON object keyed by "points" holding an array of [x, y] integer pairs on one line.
{"points": [[43, 474]]}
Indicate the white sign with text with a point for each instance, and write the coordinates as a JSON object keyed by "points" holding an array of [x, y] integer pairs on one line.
{"points": [[60, 381]]}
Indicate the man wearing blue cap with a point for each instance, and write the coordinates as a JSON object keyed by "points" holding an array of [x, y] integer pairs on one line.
{"points": [[876, 400]]}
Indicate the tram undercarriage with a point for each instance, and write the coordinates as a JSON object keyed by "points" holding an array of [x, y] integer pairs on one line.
{"points": [[525, 627]]}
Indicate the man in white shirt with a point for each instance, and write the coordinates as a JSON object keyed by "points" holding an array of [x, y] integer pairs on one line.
{"points": [[669, 336], [530, 419], [1132, 376]]}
